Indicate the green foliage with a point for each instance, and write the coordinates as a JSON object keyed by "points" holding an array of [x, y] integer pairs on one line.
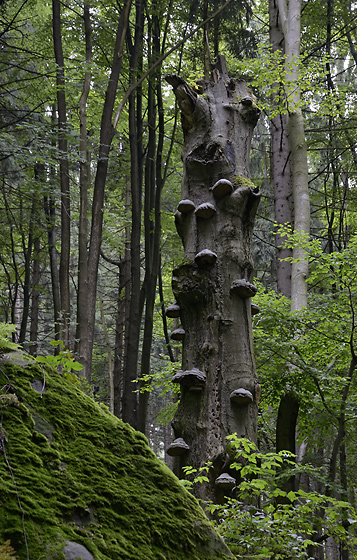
{"points": [[6, 331], [197, 475], [160, 379], [7, 552], [260, 520], [316, 363], [64, 361]]}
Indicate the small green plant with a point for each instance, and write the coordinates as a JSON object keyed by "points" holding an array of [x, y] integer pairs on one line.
{"points": [[64, 361], [7, 552], [261, 520], [6, 330], [200, 475]]}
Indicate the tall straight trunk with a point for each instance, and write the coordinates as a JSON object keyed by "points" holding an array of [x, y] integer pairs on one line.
{"points": [[39, 173], [121, 325], [280, 164], [27, 269], [213, 285], [290, 19], [84, 183], [152, 223], [35, 296], [64, 173], [106, 137], [282, 180], [206, 49], [110, 359], [129, 399], [50, 212], [164, 320]]}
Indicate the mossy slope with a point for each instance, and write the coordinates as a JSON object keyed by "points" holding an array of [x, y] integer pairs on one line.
{"points": [[82, 475]]}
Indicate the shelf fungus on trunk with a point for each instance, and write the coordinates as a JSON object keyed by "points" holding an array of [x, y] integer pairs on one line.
{"points": [[218, 122], [173, 311], [205, 210], [205, 257], [192, 378], [185, 206], [243, 288], [254, 309], [225, 481], [222, 187], [178, 334], [177, 448], [241, 396]]}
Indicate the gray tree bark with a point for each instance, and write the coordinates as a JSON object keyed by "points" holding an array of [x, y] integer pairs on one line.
{"points": [[280, 164], [219, 387]]}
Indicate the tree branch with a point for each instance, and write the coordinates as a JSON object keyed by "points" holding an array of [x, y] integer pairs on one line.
{"points": [[160, 60]]}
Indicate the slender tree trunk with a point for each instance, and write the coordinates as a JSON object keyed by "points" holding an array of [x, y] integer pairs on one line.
{"points": [[206, 49], [50, 211], [35, 296], [280, 164], [129, 402], [27, 277], [84, 183], [282, 180], [110, 360], [164, 321], [122, 316], [213, 286], [36, 273], [64, 173], [290, 18], [106, 137], [153, 188]]}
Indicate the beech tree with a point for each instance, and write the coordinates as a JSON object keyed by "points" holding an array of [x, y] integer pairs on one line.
{"points": [[219, 387]]}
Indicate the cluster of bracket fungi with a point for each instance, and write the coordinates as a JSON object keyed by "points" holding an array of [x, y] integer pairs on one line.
{"points": [[194, 379]]}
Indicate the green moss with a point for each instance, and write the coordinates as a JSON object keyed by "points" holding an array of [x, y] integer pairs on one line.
{"points": [[240, 181], [83, 475]]}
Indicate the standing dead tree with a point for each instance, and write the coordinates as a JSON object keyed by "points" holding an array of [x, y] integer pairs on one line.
{"points": [[213, 289]]}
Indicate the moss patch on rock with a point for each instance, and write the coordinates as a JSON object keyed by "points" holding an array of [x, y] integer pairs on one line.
{"points": [[73, 473]]}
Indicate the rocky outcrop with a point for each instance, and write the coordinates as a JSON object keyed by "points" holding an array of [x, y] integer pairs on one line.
{"points": [[76, 482]]}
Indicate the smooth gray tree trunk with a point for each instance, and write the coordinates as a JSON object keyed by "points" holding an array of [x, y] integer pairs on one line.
{"points": [[213, 285], [280, 168]]}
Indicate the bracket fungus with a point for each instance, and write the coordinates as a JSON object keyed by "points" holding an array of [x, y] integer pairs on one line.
{"points": [[191, 377], [225, 481], [244, 288], [178, 334], [246, 100], [205, 257], [177, 447], [205, 210], [254, 309], [241, 396], [173, 311], [185, 206], [222, 187]]}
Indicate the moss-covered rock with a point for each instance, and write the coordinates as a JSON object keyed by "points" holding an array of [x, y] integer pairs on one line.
{"points": [[73, 476]]}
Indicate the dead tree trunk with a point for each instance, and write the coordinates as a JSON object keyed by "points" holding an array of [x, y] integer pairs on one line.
{"points": [[219, 387]]}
